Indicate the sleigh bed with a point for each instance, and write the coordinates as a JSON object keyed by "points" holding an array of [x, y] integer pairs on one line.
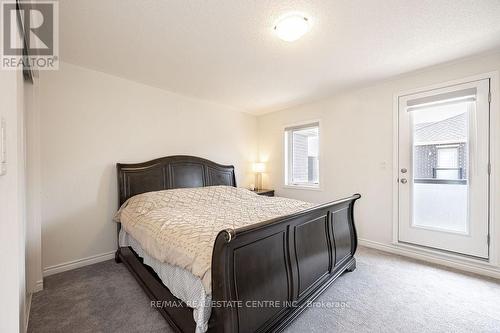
{"points": [[262, 275]]}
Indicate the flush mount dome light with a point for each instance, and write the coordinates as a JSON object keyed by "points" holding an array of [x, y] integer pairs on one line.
{"points": [[291, 27]]}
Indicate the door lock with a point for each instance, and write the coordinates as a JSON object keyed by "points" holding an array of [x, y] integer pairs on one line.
{"points": [[404, 170]]}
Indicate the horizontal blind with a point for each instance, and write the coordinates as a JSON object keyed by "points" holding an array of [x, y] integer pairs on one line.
{"points": [[453, 97], [304, 126]]}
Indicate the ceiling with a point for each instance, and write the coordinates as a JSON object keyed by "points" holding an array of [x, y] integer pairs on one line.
{"points": [[225, 51]]}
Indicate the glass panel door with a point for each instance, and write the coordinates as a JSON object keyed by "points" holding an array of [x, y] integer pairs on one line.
{"points": [[443, 163]]}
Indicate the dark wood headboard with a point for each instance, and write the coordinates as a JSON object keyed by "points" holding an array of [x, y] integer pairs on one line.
{"points": [[171, 172]]}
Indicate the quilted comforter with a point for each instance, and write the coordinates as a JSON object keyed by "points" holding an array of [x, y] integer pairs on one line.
{"points": [[179, 226]]}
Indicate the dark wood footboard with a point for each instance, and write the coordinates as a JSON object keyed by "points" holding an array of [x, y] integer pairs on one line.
{"points": [[265, 274]]}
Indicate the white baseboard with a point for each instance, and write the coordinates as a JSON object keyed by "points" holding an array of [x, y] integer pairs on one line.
{"points": [[468, 265], [67, 266], [38, 286], [27, 311]]}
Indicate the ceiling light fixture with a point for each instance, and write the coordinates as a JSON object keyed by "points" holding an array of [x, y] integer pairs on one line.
{"points": [[291, 27]]}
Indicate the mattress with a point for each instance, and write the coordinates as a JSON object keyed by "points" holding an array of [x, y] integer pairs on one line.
{"points": [[179, 226], [181, 283]]}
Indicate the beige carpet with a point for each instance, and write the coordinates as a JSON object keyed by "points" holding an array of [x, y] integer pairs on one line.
{"points": [[386, 293]]}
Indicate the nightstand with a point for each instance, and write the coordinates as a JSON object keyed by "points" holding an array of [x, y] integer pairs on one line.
{"points": [[267, 193]]}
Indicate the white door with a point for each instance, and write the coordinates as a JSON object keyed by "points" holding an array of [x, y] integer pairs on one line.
{"points": [[444, 168]]}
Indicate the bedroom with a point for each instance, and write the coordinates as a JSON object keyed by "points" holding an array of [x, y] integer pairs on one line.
{"points": [[310, 102]]}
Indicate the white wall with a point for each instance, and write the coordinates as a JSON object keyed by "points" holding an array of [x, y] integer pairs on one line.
{"points": [[357, 143], [12, 216], [90, 121]]}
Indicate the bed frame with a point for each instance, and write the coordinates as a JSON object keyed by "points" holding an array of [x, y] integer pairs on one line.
{"points": [[263, 275]]}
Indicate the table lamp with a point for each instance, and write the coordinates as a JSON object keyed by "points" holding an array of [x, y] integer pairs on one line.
{"points": [[258, 168]]}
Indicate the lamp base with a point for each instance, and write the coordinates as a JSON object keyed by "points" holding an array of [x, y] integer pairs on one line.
{"points": [[258, 181]]}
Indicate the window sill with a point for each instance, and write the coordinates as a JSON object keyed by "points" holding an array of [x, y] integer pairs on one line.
{"points": [[303, 187]]}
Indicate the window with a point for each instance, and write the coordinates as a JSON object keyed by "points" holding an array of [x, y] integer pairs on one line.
{"points": [[447, 163], [302, 155]]}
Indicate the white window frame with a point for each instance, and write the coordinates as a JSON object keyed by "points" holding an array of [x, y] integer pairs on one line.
{"points": [[456, 164], [287, 155], [441, 148]]}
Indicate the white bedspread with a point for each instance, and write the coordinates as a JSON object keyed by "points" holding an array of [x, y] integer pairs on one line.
{"points": [[181, 283], [179, 226]]}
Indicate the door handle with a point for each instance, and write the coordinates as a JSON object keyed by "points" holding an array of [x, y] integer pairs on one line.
{"points": [[404, 181]]}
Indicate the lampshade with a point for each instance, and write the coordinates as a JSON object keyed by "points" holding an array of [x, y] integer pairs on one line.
{"points": [[259, 167]]}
